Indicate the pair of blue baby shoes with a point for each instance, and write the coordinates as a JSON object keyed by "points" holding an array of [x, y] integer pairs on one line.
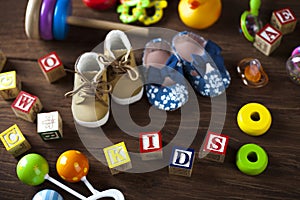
{"points": [[189, 57]]}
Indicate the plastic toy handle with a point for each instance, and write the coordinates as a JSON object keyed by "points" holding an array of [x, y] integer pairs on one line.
{"points": [[87, 183], [254, 7], [113, 193]]}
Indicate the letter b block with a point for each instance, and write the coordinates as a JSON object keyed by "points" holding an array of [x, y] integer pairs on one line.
{"points": [[49, 125], [10, 86], [52, 67], [182, 161], [284, 20], [117, 158], [26, 106], [151, 145], [14, 141]]}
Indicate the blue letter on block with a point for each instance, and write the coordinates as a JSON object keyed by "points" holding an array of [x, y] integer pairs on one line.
{"points": [[182, 157]]}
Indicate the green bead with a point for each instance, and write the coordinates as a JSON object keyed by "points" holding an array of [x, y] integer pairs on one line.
{"points": [[251, 159], [32, 168]]}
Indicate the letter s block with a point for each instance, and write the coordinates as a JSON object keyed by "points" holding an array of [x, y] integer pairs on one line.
{"points": [[10, 86], [117, 158], [151, 145], [49, 125], [14, 141], [52, 67], [284, 20], [182, 161], [26, 106]]}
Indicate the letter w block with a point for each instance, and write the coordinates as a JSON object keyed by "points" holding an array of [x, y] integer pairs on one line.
{"points": [[182, 161]]}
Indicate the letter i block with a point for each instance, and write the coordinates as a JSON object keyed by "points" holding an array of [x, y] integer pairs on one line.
{"points": [[26, 106], [10, 86], [215, 147], [151, 146], [284, 20], [182, 161], [49, 125], [2, 60], [267, 39], [14, 141], [52, 67], [117, 158]]}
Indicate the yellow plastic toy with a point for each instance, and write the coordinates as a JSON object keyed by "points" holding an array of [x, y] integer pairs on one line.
{"points": [[137, 7], [159, 5], [199, 14]]}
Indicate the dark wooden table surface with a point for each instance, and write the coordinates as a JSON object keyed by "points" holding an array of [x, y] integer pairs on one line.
{"points": [[210, 180]]}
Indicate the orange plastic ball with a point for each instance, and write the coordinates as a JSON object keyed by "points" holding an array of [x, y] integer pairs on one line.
{"points": [[252, 73], [72, 165]]}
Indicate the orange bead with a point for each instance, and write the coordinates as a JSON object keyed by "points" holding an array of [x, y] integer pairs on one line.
{"points": [[252, 73]]}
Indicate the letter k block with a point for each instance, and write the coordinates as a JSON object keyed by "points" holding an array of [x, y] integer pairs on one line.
{"points": [[181, 162]]}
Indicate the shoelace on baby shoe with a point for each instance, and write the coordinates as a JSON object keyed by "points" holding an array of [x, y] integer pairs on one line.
{"points": [[88, 88], [120, 65]]}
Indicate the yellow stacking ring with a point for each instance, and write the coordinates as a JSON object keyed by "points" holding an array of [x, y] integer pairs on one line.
{"points": [[254, 119]]}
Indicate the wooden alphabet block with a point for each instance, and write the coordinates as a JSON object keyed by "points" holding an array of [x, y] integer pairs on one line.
{"points": [[26, 106], [151, 145], [49, 125], [10, 86], [182, 161], [284, 20], [52, 67], [215, 147], [2, 60], [267, 39], [117, 158], [14, 141]]}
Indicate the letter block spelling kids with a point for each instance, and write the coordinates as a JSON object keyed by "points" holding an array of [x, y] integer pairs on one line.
{"points": [[182, 161], [151, 145]]}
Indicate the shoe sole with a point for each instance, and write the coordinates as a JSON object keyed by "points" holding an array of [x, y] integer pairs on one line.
{"points": [[93, 124], [128, 101]]}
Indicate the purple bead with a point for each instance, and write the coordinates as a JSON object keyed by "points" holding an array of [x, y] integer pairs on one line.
{"points": [[46, 19]]}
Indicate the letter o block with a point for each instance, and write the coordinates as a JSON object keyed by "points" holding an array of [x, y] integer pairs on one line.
{"points": [[284, 20], [52, 67], [182, 161], [151, 145], [10, 86], [49, 125], [14, 141], [2, 60]]}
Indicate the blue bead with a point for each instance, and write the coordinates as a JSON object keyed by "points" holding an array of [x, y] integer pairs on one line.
{"points": [[63, 9], [47, 194]]}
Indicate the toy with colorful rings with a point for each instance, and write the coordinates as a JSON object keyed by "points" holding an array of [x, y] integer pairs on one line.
{"points": [[251, 159], [254, 119], [159, 5], [47, 19]]}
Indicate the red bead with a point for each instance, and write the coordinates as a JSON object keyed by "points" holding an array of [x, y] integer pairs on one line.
{"points": [[99, 4]]}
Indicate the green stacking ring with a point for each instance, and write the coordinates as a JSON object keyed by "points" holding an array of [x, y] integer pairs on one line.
{"points": [[251, 159]]}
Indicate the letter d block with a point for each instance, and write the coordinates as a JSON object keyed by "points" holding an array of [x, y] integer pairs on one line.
{"points": [[26, 106], [267, 39], [182, 161], [284, 20], [52, 67], [2, 60], [215, 147], [49, 125], [117, 158], [151, 146], [14, 141], [10, 86]]}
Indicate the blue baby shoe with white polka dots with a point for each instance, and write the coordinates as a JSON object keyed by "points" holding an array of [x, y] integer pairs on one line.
{"points": [[165, 83]]}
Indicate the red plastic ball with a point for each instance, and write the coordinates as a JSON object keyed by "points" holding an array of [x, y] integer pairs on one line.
{"points": [[99, 4], [72, 165]]}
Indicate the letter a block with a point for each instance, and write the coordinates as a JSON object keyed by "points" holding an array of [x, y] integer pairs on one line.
{"points": [[117, 158], [284, 20], [2, 60], [267, 39], [10, 86], [182, 161], [52, 67], [215, 147], [14, 141], [49, 125], [151, 146], [26, 106]]}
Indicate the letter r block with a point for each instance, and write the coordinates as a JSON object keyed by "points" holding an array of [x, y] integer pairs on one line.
{"points": [[10, 86], [14, 141], [151, 145], [182, 161], [117, 158], [284, 20], [52, 67], [26, 106]]}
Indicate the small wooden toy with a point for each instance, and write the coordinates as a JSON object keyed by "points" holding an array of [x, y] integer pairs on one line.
{"points": [[293, 66], [284, 20], [14, 141], [215, 147], [10, 86], [151, 145], [2, 60], [267, 39], [52, 67], [182, 161], [100, 4], [117, 158], [26, 106], [49, 125], [47, 194]]}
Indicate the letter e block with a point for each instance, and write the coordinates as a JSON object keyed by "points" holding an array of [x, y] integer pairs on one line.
{"points": [[52, 67], [10, 86], [151, 146], [284, 20], [26, 106], [267, 39], [182, 161], [2, 60], [215, 147], [117, 158], [14, 141], [49, 125]]}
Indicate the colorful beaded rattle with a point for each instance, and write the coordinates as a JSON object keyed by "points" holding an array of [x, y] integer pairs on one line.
{"points": [[72, 166]]}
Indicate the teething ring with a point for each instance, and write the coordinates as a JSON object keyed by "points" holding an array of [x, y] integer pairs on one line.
{"points": [[254, 119], [158, 14], [137, 6]]}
